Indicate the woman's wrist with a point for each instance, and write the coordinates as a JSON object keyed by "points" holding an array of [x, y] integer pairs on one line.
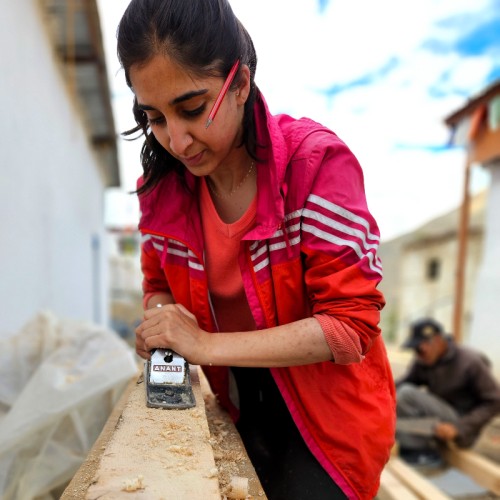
{"points": [[208, 351], [154, 299]]}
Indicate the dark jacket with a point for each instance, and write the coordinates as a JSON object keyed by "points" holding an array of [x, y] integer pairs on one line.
{"points": [[463, 378]]}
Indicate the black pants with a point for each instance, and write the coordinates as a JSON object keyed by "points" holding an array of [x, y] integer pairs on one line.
{"points": [[283, 462]]}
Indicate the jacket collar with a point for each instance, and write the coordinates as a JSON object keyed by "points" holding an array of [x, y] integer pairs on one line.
{"points": [[278, 137], [272, 150]]}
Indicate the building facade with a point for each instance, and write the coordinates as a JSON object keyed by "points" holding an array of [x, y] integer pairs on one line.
{"points": [[476, 126], [449, 268], [57, 156], [420, 272]]}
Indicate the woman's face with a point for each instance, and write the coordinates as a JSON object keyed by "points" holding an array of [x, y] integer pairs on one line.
{"points": [[177, 105]]}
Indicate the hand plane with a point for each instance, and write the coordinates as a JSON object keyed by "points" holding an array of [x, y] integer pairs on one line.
{"points": [[168, 381]]}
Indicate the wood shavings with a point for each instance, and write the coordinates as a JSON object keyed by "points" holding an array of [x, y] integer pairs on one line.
{"points": [[230, 456], [181, 450], [134, 484], [238, 488], [198, 414], [168, 447], [213, 472]]}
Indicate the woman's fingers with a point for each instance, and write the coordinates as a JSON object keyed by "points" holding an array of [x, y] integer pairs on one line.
{"points": [[161, 327], [140, 347], [171, 326]]}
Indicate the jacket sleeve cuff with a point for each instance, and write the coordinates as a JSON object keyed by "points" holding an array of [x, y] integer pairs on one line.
{"points": [[145, 299], [342, 340]]}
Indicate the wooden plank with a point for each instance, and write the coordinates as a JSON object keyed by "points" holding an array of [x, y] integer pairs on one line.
{"points": [[83, 478], [391, 488], [423, 426], [227, 449], [484, 471], [155, 453], [423, 488]]}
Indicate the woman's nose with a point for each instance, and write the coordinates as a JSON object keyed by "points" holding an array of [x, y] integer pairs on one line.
{"points": [[179, 138]]}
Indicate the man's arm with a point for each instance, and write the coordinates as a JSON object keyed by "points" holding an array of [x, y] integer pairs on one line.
{"points": [[487, 391]]}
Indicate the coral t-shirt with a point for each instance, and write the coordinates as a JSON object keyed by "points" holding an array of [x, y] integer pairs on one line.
{"points": [[222, 244], [230, 305]]}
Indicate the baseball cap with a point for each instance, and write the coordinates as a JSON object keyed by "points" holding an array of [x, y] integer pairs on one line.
{"points": [[422, 330]]}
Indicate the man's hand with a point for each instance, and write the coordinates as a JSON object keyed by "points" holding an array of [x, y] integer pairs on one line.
{"points": [[445, 431]]}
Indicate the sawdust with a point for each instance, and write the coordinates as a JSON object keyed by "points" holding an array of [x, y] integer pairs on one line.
{"points": [[144, 449], [233, 465], [153, 451], [134, 484], [238, 488]]}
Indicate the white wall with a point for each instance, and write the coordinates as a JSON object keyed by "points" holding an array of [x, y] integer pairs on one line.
{"points": [[485, 329], [51, 192], [420, 296]]}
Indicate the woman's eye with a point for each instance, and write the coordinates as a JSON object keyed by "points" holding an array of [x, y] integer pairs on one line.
{"points": [[194, 112], [156, 121]]}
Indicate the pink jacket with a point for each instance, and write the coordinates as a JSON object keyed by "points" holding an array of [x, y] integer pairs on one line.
{"points": [[312, 251]]}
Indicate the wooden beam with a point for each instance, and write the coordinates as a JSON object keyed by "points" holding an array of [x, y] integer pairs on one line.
{"points": [[461, 264], [484, 471], [84, 477], [391, 488], [415, 481], [153, 453]]}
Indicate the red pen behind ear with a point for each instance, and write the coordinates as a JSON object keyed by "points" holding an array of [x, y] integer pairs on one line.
{"points": [[222, 93]]}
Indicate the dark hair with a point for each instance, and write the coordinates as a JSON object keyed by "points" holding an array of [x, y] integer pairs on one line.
{"points": [[205, 37]]}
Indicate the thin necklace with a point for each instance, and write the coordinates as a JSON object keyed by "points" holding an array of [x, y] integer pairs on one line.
{"points": [[228, 195]]}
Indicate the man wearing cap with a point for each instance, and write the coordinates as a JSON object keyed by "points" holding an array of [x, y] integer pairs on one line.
{"points": [[448, 394]]}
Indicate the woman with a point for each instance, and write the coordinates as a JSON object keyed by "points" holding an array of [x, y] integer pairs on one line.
{"points": [[258, 242]]}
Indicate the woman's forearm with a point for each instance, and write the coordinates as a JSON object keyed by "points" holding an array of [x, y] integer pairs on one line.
{"points": [[298, 343]]}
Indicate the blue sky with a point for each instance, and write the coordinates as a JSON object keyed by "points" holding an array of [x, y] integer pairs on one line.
{"points": [[383, 75]]}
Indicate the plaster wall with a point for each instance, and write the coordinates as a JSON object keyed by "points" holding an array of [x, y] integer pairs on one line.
{"points": [[485, 328], [422, 296], [53, 246]]}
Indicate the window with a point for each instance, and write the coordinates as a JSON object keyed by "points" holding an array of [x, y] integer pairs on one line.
{"points": [[433, 269]]}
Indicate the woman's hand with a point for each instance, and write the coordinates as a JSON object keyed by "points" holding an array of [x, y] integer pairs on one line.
{"points": [[174, 327], [171, 326]]}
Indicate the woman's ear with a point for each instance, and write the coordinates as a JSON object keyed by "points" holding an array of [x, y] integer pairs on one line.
{"points": [[243, 89]]}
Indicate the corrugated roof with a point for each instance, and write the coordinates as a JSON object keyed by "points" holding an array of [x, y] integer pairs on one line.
{"points": [[76, 33], [467, 109]]}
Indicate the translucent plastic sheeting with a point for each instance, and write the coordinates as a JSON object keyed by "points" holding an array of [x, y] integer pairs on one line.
{"points": [[59, 382]]}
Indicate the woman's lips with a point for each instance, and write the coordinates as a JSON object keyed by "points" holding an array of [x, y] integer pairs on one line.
{"points": [[192, 161]]}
